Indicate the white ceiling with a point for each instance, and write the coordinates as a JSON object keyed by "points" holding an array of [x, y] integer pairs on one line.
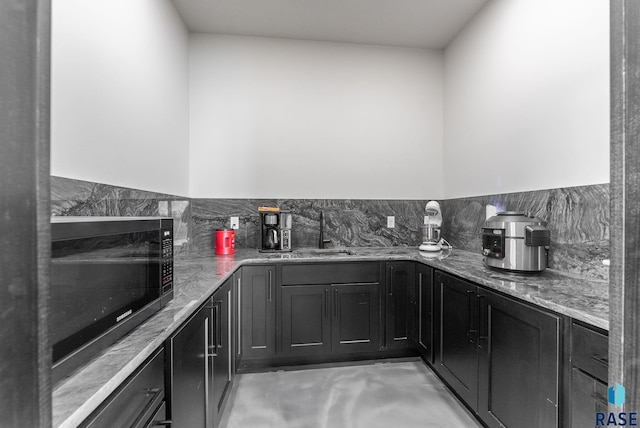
{"points": [[410, 23]]}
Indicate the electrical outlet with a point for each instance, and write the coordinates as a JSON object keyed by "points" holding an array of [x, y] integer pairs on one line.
{"points": [[235, 222], [391, 221]]}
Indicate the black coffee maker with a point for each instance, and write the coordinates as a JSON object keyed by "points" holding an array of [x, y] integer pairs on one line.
{"points": [[275, 230]]}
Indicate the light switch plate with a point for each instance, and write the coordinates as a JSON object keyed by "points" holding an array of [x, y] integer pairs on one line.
{"points": [[234, 222], [391, 221]]}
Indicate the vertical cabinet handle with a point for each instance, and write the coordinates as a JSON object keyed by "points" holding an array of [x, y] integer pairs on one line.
{"points": [[483, 331], [419, 307], [335, 302], [207, 345], [326, 302], [391, 281], [229, 335], [239, 323], [471, 330], [215, 331], [270, 283], [219, 329]]}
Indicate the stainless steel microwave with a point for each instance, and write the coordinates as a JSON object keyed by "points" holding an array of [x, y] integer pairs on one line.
{"points": [[108, 275]]}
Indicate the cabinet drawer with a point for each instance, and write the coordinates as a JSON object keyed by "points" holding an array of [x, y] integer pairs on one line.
{"points": [[588, 396], [331, 273], [590, 351], [136, 403]]}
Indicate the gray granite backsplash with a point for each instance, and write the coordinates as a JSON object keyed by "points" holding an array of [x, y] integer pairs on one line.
{"points": [[71, 197], [578, 218], [348, 223]]}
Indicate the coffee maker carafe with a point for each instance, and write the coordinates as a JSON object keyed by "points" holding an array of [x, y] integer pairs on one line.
{"points": [[275, 230]]}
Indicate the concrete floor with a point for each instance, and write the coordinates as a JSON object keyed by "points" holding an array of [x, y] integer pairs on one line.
{"points": [[402, 394]]}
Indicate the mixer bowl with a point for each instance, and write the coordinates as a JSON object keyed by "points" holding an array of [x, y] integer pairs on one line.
{"points": [[430, 233]]}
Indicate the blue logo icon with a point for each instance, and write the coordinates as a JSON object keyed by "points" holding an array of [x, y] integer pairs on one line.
{"points": [[616, 395]]}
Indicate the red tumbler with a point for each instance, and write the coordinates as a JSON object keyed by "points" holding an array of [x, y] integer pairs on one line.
{"points": [[225, 241]]}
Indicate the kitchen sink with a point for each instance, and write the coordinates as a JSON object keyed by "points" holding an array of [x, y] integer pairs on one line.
{"points": [[325, 252]]}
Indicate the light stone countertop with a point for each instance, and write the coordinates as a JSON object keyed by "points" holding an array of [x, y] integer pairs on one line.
{"points": [[198, 274]]}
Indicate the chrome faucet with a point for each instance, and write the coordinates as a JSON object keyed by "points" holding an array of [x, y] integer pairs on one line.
{"points": [[322, 241]]}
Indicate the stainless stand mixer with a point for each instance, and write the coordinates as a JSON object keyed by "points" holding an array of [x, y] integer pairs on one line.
{"points": [[430, 230]]}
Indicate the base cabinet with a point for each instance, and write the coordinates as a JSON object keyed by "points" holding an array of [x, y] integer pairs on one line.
{"points": [[457, 358], [258, 312], [221, 353], [201, 372], [400, 305], [189, 383], [139, 403], [499, 355], [519, 364], [424, 298], [589, 375], [588, 397], [327, 318], [306, 320], [356, 317]]}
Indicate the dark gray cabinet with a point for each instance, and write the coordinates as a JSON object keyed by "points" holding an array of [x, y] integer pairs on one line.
{"points": [[457, 357], [589, 368], [356, 317], [424, 298], [221, 350], [190, 386], [330, 308], [201, 363], [139, 403], [306, 320], [400, 305], [236, 330], [519, 363], [588, 396], [258, 312], [499, 355]]}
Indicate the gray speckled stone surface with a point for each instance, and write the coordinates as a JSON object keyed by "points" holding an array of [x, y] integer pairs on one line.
{"points": [[199, 273], [70, 197], [578, 218]]}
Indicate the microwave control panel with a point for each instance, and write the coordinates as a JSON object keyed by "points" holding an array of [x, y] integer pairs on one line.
{"points": [[167, 260]]}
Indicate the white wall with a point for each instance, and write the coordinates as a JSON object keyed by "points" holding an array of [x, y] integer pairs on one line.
{"points": [[298, 119], [120, 93], [527, 98]]}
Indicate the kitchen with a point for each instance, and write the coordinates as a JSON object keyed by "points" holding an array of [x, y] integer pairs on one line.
{"points": [[193, 176]]}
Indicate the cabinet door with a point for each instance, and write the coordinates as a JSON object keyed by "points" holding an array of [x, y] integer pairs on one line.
{"points": [[258, 312], [424, 290], [221, 352], [400, 308], [139, 402], [190, 372], [306, 322], [588, 396], [355, 318], [519, 360], [457, 359]]}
